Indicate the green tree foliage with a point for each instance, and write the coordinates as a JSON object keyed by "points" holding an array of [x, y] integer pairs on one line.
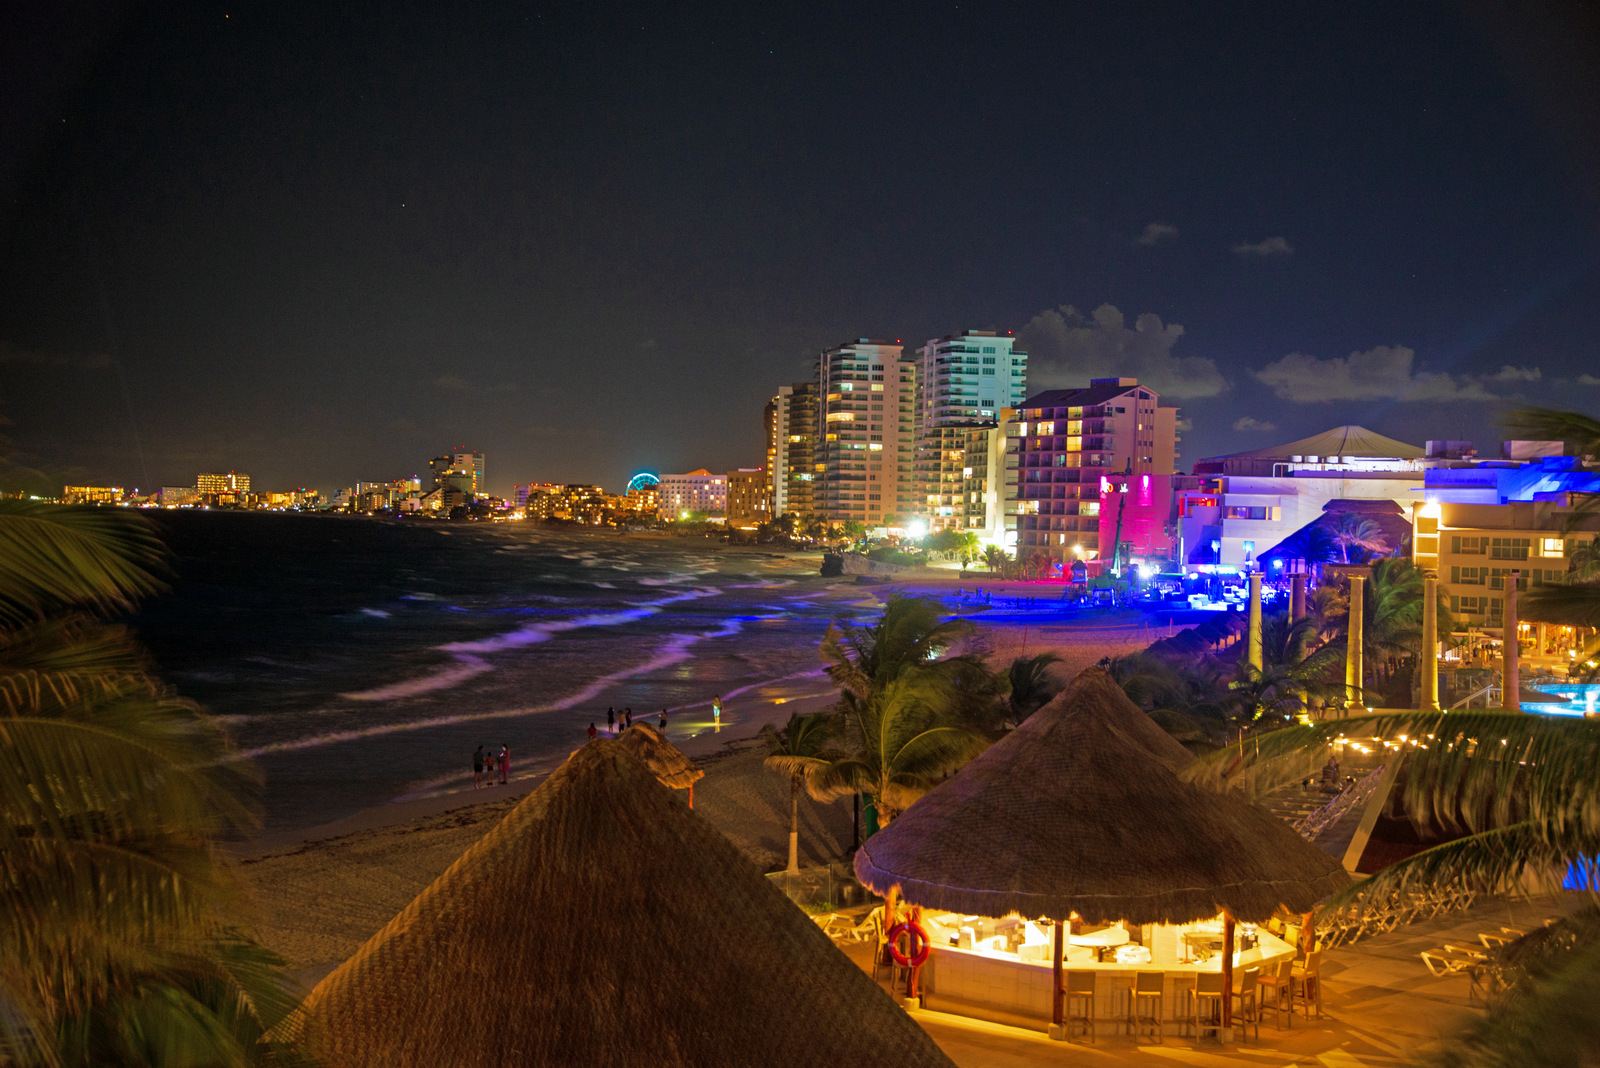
{"points": [[120, 922], [910, 710], [803, 751]]}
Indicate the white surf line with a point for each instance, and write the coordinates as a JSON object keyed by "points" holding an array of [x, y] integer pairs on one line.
{"points": [[673, 651], [467, 663]]}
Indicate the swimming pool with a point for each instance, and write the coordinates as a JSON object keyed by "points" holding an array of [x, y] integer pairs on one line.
{"points": [[1568, 699]]}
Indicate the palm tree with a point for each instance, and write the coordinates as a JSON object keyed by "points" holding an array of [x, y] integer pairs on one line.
{"points": [[908, 633], [968, 547], [897, 746], [1356, 531], [994, 557], [118, 936], [1311, 545], [801, 750], [1031, 685]]}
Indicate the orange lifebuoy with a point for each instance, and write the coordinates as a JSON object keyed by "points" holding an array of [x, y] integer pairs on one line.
{"points": [[918, 948]]}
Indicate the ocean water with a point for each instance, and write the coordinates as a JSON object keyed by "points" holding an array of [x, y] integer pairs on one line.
{"points": [[359, 662]]}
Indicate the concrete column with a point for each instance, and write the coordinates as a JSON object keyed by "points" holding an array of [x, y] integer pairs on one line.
{"points": [[1354, 677], [1544, 637], [1253, 650], [1297, 597], [1510, 682], [1428, 655]]}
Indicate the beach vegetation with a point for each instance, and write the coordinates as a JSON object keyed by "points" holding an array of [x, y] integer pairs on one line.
{"points": [[1030, 685], [911, 708], [121, 923], [803, 750]]}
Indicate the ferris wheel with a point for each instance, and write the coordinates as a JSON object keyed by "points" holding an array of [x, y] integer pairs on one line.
{"points": [[642, 481]]}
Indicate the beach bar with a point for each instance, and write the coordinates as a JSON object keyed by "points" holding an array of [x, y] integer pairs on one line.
{"points": [[1071, 875]]}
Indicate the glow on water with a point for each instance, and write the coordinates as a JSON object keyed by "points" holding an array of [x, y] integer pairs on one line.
{"points": [[1570, 699]]}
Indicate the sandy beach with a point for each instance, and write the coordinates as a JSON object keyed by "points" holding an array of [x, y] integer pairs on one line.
{"points": [[321, 892]]}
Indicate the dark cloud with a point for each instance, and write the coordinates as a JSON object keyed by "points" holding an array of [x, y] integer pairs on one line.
{"points": [[1272, 246], [1066, 347]]}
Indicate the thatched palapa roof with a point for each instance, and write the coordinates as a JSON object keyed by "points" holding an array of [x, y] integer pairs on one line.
{"points": [[603, 922], [1080, 809], [665, 760]]}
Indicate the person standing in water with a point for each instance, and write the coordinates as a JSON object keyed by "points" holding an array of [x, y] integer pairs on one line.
{"points": [[611, 721], [505, 763], [477, 769], [663, 721], [592, 732], [716, 710]]}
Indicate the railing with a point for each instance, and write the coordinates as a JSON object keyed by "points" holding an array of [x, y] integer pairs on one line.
{"points": [[1314, 823], [1489, 693]]}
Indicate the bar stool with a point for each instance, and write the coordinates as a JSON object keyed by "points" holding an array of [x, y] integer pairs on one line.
{"points": [[1081, 990], [1249, 1001], [1208, 989], [1148, 989], [1306, 984], [1277, 992]]}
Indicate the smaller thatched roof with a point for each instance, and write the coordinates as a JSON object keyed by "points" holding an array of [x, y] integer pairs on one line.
{"points": [[1080, 809], [665, 760], [603, 922]]}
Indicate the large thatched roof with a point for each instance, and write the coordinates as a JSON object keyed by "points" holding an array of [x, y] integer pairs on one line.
{"points": [[665, 760], [603, 922], [1080, 810]]}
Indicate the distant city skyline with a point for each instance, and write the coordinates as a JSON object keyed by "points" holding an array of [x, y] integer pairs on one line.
{"points": [[323, 248]]}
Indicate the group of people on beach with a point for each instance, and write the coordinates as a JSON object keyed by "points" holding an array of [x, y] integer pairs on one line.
{"points": [[482, 762], [617, 722]]}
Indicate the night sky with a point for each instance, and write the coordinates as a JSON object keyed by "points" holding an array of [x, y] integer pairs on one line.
{"points": [[322, 242]]}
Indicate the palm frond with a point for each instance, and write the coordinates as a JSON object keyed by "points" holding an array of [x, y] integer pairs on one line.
{"points": [[54, 558]]}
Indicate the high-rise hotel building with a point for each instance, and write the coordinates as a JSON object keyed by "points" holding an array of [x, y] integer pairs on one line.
{"points": [[793, 449], [1074, 449], [865, 448], [964, 382]]}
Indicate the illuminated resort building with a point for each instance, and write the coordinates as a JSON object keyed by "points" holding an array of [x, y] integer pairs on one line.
{"points": [[92, 494], [963, 382], [793, 448], [1241, 505], [1077, 450], [863, 464], [210, 484], [697, 491], [460, 470], [747, 498]]}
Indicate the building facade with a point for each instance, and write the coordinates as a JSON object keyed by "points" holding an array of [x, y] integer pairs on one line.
{"points": [[865, 449], [794, 442], [212, 484], [964, 381], [695, 491], [747, 498], [1066, 442], [1475, 547], [1238, 506], [460, 471]]}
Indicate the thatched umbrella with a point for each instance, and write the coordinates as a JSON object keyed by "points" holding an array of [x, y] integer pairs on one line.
{"points": [[602, 922], [1080, 809], [665, 760]]}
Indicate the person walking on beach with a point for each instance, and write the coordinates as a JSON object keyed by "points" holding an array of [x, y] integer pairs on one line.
{"points": [[663, 721], [627, 718], [611, 721], [716, 710], [592, 732], [477, 769], [505, 762]]}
